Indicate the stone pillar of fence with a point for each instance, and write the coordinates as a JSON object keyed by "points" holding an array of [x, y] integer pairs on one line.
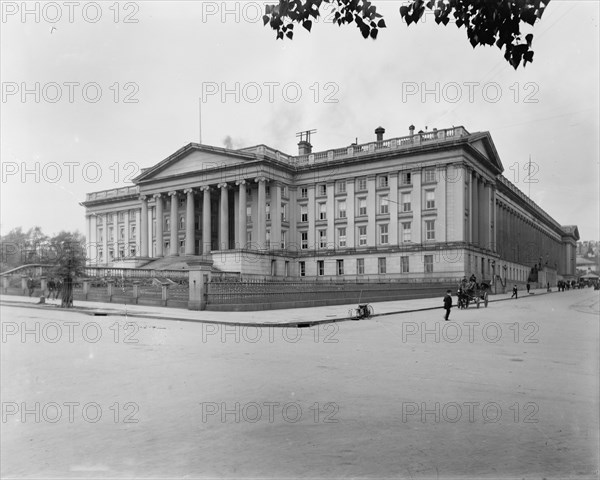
{"points": [[164, 293], [86, 288], [136, 291], [200, 275], [24, 284], [109, 289], [43, 285], [5, 283]]}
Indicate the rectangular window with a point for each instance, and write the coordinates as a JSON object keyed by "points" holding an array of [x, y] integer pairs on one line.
{"points": [[383, 181], [111, 236], [362, 184], [341, 209], [342, 236], [322, 211], [339, 267], [381, 266], [341, 187], [322, 190], [405, 179], [322, 238], [181, 246], [302, 268], [120, 217], [304, 240], [248, 193], [273, 268], [181, 223], [430, 229], [121, 233], [284, 212], [362, 207], [428, 262], [167, 224], [406, 206], [303, 213], [121, 252], [132, 251], [406, 234], [404, 265], [284, 193], [304, 192], [248, 214], [383, 234], [320, 267], [429, 199], [268, 211], [429, 175], [383, 204], [362, 236], [267, 190], [99, 220], [286, 269], [360, 266], [100, 237], [268, 238], [283, 239], [248, 237]]}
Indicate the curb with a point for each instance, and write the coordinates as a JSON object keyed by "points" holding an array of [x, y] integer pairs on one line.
{"points": [[308, 324]]}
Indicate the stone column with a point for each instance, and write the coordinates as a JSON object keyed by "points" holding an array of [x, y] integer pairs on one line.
{"points": [[160, 221], [261, 212], [224, 217], [144, 227], [331, 240], [206, 233], [475, 213], [242, 219], [190, 240], [88, 228], [126, 232], [483, 207], [441, 204], [416, 196], [469, 201], [174, 248], [276, 216], [350, 213], [372, 239], [393, 208]]}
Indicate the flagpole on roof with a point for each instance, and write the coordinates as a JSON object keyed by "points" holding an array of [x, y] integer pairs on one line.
{"points": [[199, 119]]}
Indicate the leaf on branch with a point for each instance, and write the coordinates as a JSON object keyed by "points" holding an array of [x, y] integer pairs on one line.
{"points": [[290, 35], [381, 23], [307, 24], [374, 33], [529, 39]]}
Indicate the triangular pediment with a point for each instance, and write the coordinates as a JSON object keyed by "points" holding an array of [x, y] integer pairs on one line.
{"points": [[191, 159], [483, 144]]}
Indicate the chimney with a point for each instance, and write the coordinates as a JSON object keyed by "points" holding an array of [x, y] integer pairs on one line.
{"points": [[379, 131], [411, 130], [304, 147]]}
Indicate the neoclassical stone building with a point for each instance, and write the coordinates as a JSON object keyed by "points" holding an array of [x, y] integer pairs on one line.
{"points": [[428, 204]]}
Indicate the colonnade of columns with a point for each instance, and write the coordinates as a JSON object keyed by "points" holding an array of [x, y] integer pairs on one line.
{"points": [[207, 192], [481, 228]]}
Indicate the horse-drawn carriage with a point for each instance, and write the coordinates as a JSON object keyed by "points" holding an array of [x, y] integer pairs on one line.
{"points": [[473, 292]]}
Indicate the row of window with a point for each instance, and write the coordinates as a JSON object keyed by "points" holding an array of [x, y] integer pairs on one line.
{"points": [[361, 234], [360, 266], [361, 206], [382, 181]]}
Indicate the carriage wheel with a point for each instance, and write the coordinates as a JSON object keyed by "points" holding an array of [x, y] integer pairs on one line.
{"points": [[478, 300], [485, 299], [370, 311]]}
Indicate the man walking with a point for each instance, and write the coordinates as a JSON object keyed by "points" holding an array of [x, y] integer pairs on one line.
{"points": [[528, 287], [447, 304], [514, 295]]}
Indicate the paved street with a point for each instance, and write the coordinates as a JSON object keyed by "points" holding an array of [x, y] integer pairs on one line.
{"points": [[507, 391]]}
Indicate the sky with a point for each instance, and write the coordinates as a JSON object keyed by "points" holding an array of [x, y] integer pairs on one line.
{"points": [[92, 92]]}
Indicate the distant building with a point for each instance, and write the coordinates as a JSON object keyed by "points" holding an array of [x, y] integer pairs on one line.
{"points": [[426, 205]]}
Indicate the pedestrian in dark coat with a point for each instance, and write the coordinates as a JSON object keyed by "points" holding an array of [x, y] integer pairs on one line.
{"points": [[528, 287], [447, 304], [514, 295]]}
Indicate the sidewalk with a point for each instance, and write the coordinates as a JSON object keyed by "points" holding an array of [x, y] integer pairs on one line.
{"points": [[288, 317]]}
